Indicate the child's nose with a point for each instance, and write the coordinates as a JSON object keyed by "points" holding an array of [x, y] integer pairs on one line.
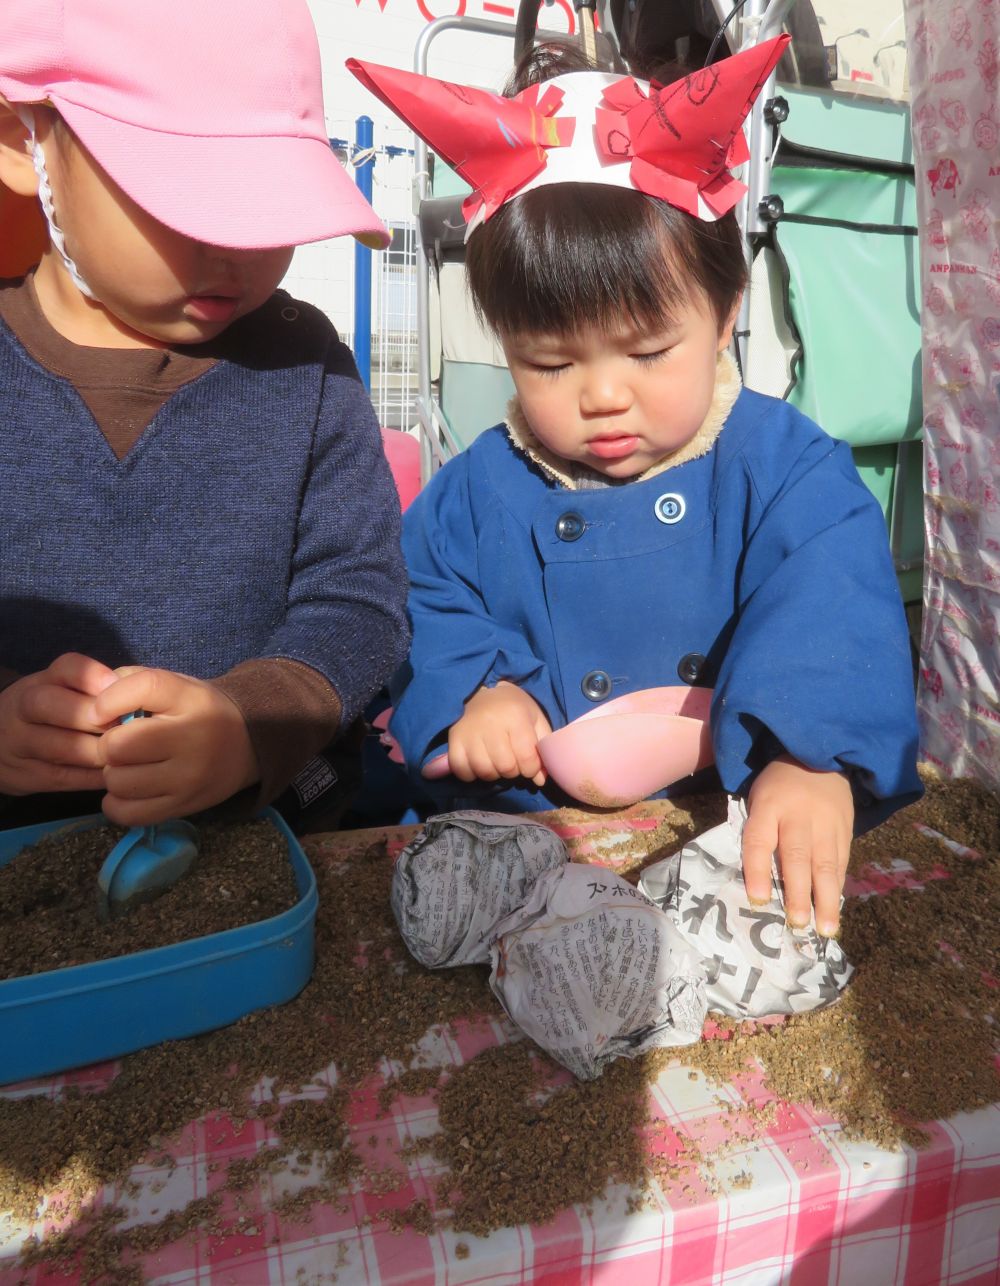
{"points": [[604, 390]]}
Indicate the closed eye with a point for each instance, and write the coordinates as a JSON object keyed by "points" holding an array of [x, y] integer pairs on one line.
{"points": [[549, 370], [647, 359]]}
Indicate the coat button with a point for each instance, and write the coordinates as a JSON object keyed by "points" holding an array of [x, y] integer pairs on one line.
{"points": [[689, 666], [596, 685], [569, 526], [670, 507]]}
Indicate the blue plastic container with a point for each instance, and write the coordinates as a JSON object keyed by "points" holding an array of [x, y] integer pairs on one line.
{"points": [[65, 1018]]}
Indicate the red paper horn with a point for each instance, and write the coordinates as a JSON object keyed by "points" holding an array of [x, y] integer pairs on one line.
{"points": [[682, 139], [496, 144]]}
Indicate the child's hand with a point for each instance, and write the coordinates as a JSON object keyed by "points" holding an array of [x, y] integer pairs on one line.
{"points": [[498, 736], [194, 752], [49, 740], [807, 818]]}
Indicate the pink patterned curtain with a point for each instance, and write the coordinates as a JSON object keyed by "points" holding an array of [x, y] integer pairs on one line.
{"points": [[954, 57]]}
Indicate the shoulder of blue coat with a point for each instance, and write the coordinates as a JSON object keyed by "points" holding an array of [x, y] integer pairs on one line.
{"points": [[758, 418], [493, 445], [490, 472], [762, 428], [494, 463], [773, 445]]}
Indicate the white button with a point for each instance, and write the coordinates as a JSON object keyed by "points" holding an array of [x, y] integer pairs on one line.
{"points": [[670, 507]]}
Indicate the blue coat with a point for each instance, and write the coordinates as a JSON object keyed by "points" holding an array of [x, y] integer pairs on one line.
{"points": [[760, 569]]}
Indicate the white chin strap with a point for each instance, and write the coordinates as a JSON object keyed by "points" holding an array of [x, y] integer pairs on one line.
{"points": [[45, 196]]}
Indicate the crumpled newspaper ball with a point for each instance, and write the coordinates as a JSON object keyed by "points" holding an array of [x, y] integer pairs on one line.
{"points": [[755, 963], [592, 971], [462, 874]]}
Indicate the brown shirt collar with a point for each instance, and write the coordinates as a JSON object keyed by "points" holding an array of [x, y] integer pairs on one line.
{"points": [[123, 388]]}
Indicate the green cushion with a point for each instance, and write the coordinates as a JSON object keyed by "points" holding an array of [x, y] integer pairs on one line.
{"points": [[878, 468], [446, 182], [852, 297], [474, 397], [854, 126]]}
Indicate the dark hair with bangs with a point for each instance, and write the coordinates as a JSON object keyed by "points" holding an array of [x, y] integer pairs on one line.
{"points": [[572, 251]]}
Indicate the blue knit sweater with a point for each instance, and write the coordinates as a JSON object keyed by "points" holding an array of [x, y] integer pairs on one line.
{"points": [[255, 517]]}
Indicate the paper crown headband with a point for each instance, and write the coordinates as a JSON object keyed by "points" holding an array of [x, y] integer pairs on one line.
{"points": [[677, 141]]}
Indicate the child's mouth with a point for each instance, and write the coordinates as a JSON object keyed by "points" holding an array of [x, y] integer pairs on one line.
{"points": [[613, 448], [210, 308]]}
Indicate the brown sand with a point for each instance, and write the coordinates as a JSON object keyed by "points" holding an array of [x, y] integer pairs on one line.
{"points": [[909, 1042], [48, 897]]}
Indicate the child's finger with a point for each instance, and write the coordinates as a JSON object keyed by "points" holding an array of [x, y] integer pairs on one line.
{"points": [[795, 852], [139, 812], [136, 781], [35, 775], [436, 768], [827, 883], [60, 746], [481, 762], [541, 727], [531, 767], [69, 777], [760, 839], [503, 756], [526, 760], [56, 706], [156, 691], [81, 673], [458, 761], [141, 741]]}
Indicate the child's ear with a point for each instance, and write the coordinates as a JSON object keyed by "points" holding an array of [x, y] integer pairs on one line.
{"points": [[726, 330], [23, 233], [17, 171]]}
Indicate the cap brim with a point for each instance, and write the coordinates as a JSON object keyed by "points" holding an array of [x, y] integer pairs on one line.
{"points": [[244, 193]]}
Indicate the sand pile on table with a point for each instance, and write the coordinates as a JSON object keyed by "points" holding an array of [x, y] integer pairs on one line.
{"points": [[518, 1141]]}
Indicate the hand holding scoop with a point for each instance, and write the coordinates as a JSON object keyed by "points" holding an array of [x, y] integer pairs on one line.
{"points": [[145, 862]]}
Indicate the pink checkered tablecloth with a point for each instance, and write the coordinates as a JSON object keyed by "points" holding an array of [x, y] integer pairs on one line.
{"points": [[784, 1200]]}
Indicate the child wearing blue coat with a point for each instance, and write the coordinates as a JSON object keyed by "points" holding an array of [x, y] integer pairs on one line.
{"points": [[641, 519], [196, 513]]}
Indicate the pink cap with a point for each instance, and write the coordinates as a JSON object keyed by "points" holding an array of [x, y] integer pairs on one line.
{"points": [[207, 113]]}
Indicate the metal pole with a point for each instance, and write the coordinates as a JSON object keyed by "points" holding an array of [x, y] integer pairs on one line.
{"points": [[762, 19], [759, 166], [426, 411], [364, 138], [588, 40]]}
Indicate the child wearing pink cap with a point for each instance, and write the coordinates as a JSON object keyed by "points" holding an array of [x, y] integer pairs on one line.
{"points": [[641, 520], [196, 513]]}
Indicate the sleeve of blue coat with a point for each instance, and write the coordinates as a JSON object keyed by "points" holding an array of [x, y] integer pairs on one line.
{"points": [[457, 645], [819, 661]]}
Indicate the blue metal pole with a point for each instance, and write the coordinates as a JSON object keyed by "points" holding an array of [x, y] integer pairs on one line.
{"points": [[363, 137]]}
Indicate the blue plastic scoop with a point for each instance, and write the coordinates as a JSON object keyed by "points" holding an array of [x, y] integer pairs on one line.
{"points": [[145, 862]]}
